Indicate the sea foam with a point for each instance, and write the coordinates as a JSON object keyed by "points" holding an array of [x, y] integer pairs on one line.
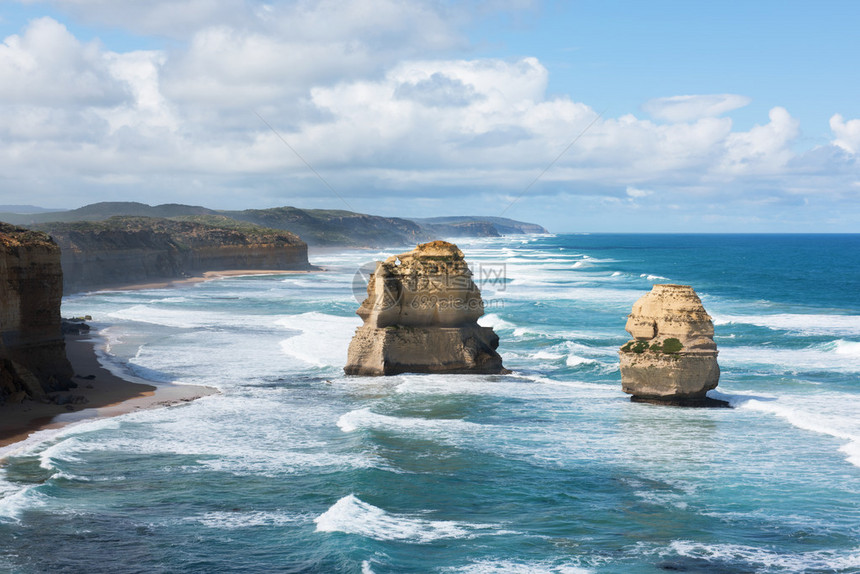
{"points": [[323, 339], [764, 560], [354, 516], [832, 414], [14, 504], [836, 356], [237, 520], [811, 324], [441, 428], [518, 567]]}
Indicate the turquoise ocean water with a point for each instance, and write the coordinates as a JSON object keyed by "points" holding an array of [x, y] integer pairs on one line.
{"points": [[295, 468]]}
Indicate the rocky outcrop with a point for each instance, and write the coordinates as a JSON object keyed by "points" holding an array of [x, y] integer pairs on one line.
{"points": [[672, 357], [421, 316], [127, 250], [32, 352]]}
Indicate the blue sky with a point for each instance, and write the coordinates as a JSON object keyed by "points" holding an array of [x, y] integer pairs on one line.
{"points": [[731, 116]]}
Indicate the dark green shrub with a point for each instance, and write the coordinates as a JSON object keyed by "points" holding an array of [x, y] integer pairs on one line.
{"points": [[672, 346], [640, 347]]}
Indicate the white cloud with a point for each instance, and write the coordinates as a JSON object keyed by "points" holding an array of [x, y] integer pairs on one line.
{"points": [[284, 50], [691, 108], [635, 192], [172, 18], [359, 89], [847, 133], [48, 66], [764, 148]]}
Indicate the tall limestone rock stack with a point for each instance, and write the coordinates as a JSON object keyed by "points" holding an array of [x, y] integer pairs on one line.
{"points": [[32, 352], [672, 357], [421, 316]]}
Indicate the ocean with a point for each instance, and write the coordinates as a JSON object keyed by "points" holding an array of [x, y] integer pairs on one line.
{"points": [[294, 467]]}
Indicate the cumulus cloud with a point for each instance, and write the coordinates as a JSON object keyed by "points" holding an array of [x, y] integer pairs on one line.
{"points": [[847, 133], [437, 90], [764, 148], [365, 92], [47, 65], [691, 108]]}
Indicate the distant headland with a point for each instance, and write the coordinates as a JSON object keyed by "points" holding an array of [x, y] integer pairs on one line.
{"points": [[113, 244], [316, 227]]}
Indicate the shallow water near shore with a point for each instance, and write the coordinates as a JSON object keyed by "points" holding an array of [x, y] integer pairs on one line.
{"points": [[296, 468]]}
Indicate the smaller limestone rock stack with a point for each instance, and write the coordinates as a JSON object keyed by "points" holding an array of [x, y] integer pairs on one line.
{"points": [[421, 315], [672, 357]]}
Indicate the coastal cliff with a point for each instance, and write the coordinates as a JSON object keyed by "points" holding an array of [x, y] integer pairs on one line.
{"points": [[672, 357], [32, 352], [126, 250], [421, 315]]}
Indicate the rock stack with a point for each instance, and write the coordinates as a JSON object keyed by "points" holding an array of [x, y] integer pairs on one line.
{"points": [[421, 315], [672, 357]]}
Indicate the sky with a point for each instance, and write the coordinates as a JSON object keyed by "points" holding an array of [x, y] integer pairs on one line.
{"points": [[593, 116]]}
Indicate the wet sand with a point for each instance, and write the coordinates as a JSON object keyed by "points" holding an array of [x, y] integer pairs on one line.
{"points": [[207, 276], [106, 395]]}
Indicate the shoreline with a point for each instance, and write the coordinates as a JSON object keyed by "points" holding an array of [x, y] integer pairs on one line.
{"points": [[107, 395], [205, 276]]}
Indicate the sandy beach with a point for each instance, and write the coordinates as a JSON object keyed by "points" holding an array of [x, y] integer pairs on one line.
{"points": [[206, 276], [106, 395]]}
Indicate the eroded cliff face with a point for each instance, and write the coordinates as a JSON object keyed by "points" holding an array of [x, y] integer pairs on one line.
{"points": [[421, 316], [673, 356], [32, 352], [127, 250]]}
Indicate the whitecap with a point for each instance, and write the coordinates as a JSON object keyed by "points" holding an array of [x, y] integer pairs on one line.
{"points": [[183, 318], [576, 361], [495, 321], [547, 356], [606, 390], [768, 560], [654, 278], [60, 451], [14, 504], [515, 567], [807, 324], [39, 438], [264, 463], [835, 356], [848, 348], [237, 520], [323, 339], [367, 419], [352, 515], [832, 414]]}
